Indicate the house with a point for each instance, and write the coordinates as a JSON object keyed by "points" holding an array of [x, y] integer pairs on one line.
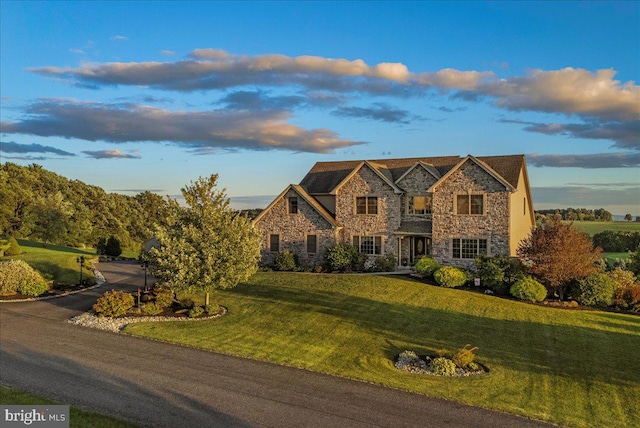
{"points": [[450, 208]]}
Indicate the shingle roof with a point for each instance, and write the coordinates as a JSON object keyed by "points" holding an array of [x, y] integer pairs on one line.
{"points": [[325, 176]]}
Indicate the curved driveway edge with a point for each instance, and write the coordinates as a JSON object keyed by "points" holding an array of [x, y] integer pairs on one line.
{"points": [[161, 385]]}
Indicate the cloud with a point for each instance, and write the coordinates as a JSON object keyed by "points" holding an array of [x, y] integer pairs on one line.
{"points": [[590, 161], [109, 154], [585, 196], [12, 147], [258, 100], [77, 51], [378, 111], [120, 38], [167, 52], [202, 132], [624, 134], [451, 110]]}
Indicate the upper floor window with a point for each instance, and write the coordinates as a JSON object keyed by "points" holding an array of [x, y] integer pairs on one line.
{"points": [[469, 248], [420, 204], [469, 204], [368, 244], [367, 205], [293, 205]]}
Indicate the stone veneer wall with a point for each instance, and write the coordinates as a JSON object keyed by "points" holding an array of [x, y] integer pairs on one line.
{"points": [[367, 183], [493, 226], [293, 229]]}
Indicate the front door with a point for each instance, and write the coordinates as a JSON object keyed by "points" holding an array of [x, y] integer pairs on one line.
{"points": [[420, 247]]}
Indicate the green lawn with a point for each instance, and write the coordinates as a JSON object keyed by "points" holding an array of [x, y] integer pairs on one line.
{"points": [[77, 418], [576, 368], [593, 227], [55, 262]]}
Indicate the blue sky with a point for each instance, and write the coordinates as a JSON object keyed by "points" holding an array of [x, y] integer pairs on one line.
{"points": [[134, 96]]}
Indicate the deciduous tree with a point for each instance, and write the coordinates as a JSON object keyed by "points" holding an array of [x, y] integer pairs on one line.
{"points": [[558, 254], [205, 245]]}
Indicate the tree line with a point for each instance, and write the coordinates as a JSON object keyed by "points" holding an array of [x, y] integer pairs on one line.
{"points": [[574, 214], [41, 205]]}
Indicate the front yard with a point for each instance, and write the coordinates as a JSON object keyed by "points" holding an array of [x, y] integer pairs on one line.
{"points": [[575, 368]]}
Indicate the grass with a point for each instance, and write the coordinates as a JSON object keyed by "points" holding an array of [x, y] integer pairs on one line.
{"points": [[593, 227], [576, 368], [54, 262], [77, 418]]}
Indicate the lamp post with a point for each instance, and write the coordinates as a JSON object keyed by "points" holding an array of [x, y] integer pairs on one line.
{"points": [[145, 265], [80, 260]]}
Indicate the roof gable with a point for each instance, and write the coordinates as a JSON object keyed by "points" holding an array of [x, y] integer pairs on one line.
{"points": [[482, 165], [427, 167]]}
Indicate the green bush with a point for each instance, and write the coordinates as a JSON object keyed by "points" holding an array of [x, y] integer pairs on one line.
{"points": [[341, 257], [595, 290], [14, 248], [187, 303], [196, 311], [17, 275], [473, 366], [113, 247], [622, 277], [285, 261], [212, 309], [529, 289], [464, 356], [450, 276], [442, 366], [163, 297], [113, 303], [499, 273], [387, 263], [152, 309], [426, 266]]}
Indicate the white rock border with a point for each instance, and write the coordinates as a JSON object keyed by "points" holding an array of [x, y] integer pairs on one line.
{"points": [[91, 320], [99, 281]]}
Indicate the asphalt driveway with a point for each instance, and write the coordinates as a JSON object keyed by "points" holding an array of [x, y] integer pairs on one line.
{"points": [[163, 385]]}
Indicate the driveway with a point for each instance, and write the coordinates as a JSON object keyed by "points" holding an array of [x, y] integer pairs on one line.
{"points": [[162, 385]]}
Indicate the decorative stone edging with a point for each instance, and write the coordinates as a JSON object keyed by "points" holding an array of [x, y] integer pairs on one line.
{"points": [[99, 281], [90, 320]]}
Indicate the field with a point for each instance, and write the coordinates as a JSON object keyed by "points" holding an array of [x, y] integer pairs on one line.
{"points": [[593, 227], [571, 367], [77, 418], [54, 262]]}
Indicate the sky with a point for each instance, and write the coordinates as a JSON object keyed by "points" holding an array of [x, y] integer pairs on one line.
{"points": [[141, 95]]}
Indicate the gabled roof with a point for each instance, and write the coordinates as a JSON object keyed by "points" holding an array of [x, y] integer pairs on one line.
{"points": [[429, 168], [308, 198], [482, 165], [379, 169], [325, 177]]}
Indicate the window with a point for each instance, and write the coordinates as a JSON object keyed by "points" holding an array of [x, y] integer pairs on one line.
{"points": [[420, 205], [469, 248], [274, 243], [368, 244], [312, 244], [470, 204], [293, 205], [367, 205]]}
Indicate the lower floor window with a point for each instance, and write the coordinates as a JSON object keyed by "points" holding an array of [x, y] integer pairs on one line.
{"points": [[312, 244], [274, 243], [368, 244], [469, 248]]}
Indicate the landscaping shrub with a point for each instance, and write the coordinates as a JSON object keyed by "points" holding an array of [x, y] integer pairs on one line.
{"points": [[499, 273], [450, 276], [196, 311], [595, 290], [285, 261], [14, 248], [473, 366], [628, 298], [187, 303], [152, 309], [344, 257], [17, 275], [212, 309], [464, 356], [529, 289], [426, 266], [622, 277], [113, 303], [387, 263], [163, 297], [442, 366]]}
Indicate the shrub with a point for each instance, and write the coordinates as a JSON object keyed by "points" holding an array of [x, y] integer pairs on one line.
{"points": [[628, 298], [17, 275], [595, 290], [113, 303], [449, 276], [113, 247], [212, 309], [187, 303], [622, 277], [152, 309], [163, 297], [285, 261], [387, 263], [464, 356], [498, 273], [442, 366], [196, 311], [342, 257], [616, 241], [426, 266], [529, 289], [14, 248]]}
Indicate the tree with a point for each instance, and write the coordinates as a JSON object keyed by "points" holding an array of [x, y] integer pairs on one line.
{"points": [[628, 217], [50, 217], [205, 245], [558, 254], [112, 247]]}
